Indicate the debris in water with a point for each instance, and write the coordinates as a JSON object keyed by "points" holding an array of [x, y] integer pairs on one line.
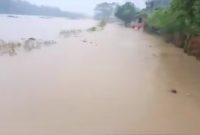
{"points": [[174, 91], [31, 38], [84, 41]]}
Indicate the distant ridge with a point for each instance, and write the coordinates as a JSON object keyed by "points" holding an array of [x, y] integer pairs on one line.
{"points": [[25, 8]]}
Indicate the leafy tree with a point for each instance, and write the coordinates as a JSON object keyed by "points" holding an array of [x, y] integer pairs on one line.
{"points": [[126, 12], [196, 13], [184, 14], [182, 18], [104, 11], [187, 12]]}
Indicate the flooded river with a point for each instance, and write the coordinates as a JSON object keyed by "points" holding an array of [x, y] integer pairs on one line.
{"points": [[107, 82]]}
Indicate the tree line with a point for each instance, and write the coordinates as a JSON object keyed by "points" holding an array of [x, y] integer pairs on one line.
{"points": [[26, 8], [125, 12]]}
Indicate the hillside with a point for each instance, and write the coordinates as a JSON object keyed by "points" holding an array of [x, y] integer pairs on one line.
{"points": [[25, 8]]}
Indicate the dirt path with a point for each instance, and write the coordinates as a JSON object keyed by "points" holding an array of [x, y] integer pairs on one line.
{"points": [[117, 81]]}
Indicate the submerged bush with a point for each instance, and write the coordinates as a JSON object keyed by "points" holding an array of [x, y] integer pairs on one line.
{"points": [[92, 29], [102, 24]]}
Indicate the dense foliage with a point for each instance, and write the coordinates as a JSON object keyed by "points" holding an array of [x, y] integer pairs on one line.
{"points": [[179, 24], [183, 17], [126, 12], [162, 20]]}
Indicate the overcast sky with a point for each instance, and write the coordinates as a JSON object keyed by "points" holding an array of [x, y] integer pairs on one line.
{"points": [[83, 6]]}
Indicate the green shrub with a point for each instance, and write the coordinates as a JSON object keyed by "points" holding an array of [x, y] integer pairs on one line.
{"points": [[163, 20]]}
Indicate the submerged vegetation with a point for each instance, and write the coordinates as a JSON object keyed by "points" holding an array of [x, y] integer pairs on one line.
{"points": [[77, 32], [92, 29], [12, 48], [8, 47], [29, 44], [100, 26], [69, 33]]}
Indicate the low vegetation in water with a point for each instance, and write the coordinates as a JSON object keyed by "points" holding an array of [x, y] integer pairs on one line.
{"points": [[100, 26], [69, 33], [92, 29], [8, 48], [11, 48], [77, 32], [32, 43]]}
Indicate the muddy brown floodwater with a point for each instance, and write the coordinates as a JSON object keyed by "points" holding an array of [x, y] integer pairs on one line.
{"points": [[119, 81]]}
